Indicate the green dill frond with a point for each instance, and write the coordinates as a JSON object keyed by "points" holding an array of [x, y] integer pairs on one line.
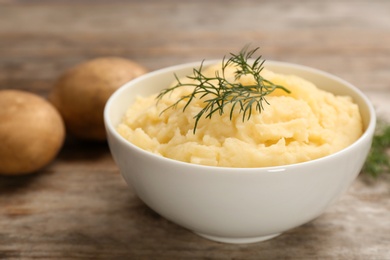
{"points": [[378, 159], [217, 91]]}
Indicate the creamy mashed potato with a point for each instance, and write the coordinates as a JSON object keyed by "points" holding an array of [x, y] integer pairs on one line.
{"points": [[306, 124]]}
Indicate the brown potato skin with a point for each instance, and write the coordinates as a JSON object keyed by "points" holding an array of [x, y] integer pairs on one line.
{"points": [[81, 93], [31, 132]]}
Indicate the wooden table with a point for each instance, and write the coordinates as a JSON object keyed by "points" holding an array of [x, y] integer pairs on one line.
{"points": [[79, 207]]}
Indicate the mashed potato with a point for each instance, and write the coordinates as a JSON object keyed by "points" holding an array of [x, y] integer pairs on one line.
{"points": [[306, 124]]}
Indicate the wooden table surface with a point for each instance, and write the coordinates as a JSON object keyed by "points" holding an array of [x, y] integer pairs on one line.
{"points": [[79, 207]]}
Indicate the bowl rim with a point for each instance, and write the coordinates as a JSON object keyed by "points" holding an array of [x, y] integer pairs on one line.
{"points": [[367, 134]]}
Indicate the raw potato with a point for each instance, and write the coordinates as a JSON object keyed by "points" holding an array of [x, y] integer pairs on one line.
{"points": [[81, 93], [31, 132]]}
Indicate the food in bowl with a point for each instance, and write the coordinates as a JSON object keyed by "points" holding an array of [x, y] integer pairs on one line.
{"points": [[298, 123], [236, 204]]}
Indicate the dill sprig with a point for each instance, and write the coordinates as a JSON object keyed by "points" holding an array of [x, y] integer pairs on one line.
{"points": [[217, 91], [378, 160]]}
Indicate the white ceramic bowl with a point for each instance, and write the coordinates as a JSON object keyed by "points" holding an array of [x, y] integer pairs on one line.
{"points": [[236, 205]]}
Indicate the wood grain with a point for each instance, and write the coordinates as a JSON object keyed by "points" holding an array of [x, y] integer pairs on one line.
{"points": [[79, 207]]}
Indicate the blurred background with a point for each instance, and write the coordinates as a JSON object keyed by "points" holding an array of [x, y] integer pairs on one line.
{"points": [[39, 39]]}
